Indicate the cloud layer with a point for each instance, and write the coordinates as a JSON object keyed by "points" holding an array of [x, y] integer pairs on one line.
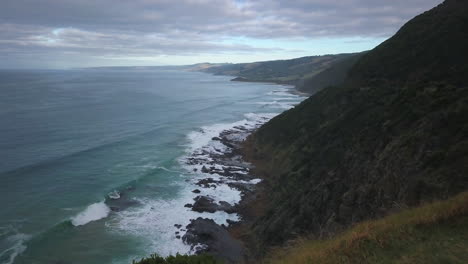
{"points": [[100, 29]]}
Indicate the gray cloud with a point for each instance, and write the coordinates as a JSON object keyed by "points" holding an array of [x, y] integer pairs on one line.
{"points": [[136, 28]]}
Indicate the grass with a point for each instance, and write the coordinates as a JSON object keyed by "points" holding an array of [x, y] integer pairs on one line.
{"points": [[434, 233]]}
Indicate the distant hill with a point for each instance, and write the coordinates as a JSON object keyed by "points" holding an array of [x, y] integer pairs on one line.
{"points": [[203, 66], [334, 74], [393, 134], [292, 71]]}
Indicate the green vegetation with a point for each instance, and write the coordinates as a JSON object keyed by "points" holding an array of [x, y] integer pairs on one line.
{"points": [[179, 259], [429, 48], [391, 133], [434, 233], [394, 134], [292, 71]]}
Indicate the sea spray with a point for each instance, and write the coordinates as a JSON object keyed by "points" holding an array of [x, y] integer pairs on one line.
{"points": [[93, 212], [17, 246]]}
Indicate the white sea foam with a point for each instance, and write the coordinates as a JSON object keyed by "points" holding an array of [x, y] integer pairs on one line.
{"points": [[285, 92], [93, 212], [287, 99], [155, 220], [279, 105], [260, 117], [166, 169], [202, 138], [114, 195], [16, 246], [202, 145]]}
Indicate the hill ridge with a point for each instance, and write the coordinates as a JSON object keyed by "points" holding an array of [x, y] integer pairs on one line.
{"points": [[394, 133]]}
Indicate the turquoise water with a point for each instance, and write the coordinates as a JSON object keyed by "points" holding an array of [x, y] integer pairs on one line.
{"points": [[71, 139]]}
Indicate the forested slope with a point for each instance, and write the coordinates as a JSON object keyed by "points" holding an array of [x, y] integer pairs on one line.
{"points": [[393, 135]]}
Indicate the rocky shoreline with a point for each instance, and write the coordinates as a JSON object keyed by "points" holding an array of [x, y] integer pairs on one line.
{"points": [[219, 166]]}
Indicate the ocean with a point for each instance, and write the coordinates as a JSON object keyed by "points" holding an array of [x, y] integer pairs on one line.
{"points": [[91, 160]]}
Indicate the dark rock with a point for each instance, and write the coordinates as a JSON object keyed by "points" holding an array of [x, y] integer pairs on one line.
{"points": [[231, 222], [188, 205], [242, 187], [204, 169], [206, 204], [227, 172], [196, 191], [178, 226], [121, 204], [206, 182], [228, 144], [178, 237], [226, 207], [217, 240]]}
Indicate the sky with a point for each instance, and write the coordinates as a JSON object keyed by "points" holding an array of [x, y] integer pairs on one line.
{"points": [[91, 33]]}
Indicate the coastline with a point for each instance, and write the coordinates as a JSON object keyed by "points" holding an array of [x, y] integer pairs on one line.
{"points": [[224, 166], [144, 205], [294, 88], [225, 163]]}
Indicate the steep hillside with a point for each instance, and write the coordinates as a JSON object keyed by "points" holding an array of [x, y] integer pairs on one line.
{"points": [[394, 134], [278, 71], [334, 75], [429, 48]]}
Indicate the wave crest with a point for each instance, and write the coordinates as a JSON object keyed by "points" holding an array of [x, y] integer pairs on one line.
{"points": [[15, 244], [93, 212]]}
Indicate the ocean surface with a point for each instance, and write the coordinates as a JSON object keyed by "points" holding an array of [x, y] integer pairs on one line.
{"points": [[91, 164]]}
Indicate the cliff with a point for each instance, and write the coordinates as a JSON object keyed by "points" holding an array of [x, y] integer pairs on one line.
{"points": [[393, 135]]}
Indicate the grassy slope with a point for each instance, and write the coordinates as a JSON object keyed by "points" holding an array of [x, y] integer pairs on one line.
{"points": [[280, 71], [434, 233], [395, 133]]}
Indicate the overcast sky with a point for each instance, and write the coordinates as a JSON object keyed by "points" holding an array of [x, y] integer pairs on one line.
{"points": [[82, 33]]}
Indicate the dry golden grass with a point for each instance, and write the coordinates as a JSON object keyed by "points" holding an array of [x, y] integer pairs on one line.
{"points": [[404, 237]]}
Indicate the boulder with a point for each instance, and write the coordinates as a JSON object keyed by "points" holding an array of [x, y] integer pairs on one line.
{"points": [[216, 240], [206, 204]]}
